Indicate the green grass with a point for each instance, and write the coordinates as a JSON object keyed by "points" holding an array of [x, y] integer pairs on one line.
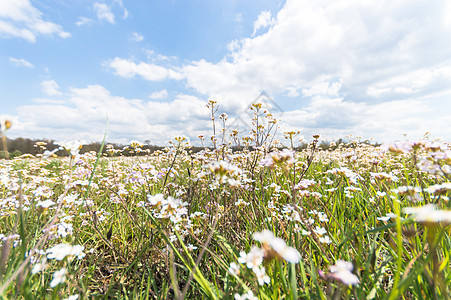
{"points": [[182, 247]]}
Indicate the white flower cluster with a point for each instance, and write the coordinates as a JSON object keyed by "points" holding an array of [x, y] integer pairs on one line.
{"points": [[167, 208], [278, 157], [272, 247]]}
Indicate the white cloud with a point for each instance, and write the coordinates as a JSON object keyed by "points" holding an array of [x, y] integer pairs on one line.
{"points": [[159, 94], [137, 37], [264, 20], [104, 12], [335, 118], [50, 87], [378, 68], [83, 112], [83, 21], [21, 62], [128, 69], [19, 18]]}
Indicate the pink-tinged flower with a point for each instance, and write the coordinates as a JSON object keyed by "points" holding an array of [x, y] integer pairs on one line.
{"points": [[342, 271]]}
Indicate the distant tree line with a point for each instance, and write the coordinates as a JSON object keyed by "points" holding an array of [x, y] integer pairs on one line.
{"points": [[19, 146]]}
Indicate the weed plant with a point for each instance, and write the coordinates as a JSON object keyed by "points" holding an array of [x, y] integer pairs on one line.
{"points": [[264, 221]]}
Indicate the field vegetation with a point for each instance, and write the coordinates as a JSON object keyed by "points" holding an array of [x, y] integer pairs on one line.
{"points": [[248, 217]]}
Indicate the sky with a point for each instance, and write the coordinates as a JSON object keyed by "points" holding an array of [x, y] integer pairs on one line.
{"points": [[145, 70]]}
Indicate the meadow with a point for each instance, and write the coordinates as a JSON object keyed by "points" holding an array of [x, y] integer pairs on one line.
{"points": [[248, 217]]}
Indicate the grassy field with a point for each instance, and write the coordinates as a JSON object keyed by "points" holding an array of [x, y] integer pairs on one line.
{"points": [[354, 221]]}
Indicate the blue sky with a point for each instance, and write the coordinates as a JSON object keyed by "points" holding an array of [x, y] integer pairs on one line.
{"points": [[375, 69]]}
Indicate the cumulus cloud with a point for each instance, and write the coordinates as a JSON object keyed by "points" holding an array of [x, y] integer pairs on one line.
{"points": [[50, 87], [104, 12], [370, 61], [83, 112], [19, 18], [21, 62], [335, 118]]}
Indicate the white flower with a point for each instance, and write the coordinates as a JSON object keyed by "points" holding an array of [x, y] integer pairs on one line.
{"points": [[320, 230], [325, 240], [46, 203], [290, 254], [73, 297], [428, 214], [268, 239], [384, 219], [342, 271], [246, 296], [60, 251], [264, 237], [262, 278], [234, 269], [39, 267], [191, 247], [58, 277], [253, 259]]}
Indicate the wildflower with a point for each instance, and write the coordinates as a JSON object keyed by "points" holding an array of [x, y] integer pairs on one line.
{"points": [[439, 189], [320, 230], [72, 297], [386, 217], [275, 246], [4, 125], [191, 247], [72, 146], [247, 296], [58, 277], [323, 217], [234, 269], [428, 214], [262, 278], [39, 267], [342, 271], [60, 251], [45, 204], [384, 176], [253, 259], [325, 240], [241, 202], [275, 158], [222, 169], [304, 184]]}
